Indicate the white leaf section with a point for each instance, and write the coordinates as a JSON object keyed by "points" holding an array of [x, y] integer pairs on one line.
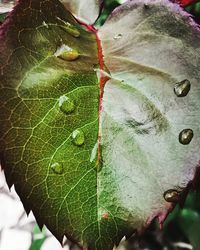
{"points": [[85, 10], [6, 7], [148, 47]]}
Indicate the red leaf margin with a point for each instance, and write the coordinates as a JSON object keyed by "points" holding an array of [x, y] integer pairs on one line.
{"points": [[185, 3]]}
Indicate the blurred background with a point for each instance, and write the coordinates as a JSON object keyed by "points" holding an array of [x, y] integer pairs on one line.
{"points": [[18, 232]]}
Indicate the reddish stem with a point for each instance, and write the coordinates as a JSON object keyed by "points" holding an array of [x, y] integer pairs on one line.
{"points": [[102, 79]]}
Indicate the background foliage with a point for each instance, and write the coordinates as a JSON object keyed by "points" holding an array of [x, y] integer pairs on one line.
{"points": [[182, 227]]}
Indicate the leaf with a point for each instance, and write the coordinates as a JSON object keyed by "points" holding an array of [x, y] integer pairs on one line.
{"points": [[35, 133], [97, 176], [86, 10], [6, 7], [148, 49]]}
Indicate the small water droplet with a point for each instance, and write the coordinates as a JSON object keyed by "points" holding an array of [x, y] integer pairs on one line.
{"points": [[105, 216], [171, 195], [57, 168], [185, 137], [118, 36], [45, 24], [182, 88], [71, 29], [66, 53], [66, 105], [78, 137]]}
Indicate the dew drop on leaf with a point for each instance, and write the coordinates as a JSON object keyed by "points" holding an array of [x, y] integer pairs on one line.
{"points": [[45, 24], [66, 53], [118, 36], [78, 137], [171, 195], [186, 136], [66, 105], [182, 88], [57, 168]]}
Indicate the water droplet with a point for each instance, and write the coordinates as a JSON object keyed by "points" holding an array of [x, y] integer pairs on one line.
{"points": [[78, 137], [171, 195], [185, 137], [182, 88], [118, 36], [71, 29], [45, 24], [105, 216], [66, 105], [66, 53], [57, 168]]}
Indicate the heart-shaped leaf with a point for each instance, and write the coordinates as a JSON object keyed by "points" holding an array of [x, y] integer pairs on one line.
{"points": [[98, 162]]}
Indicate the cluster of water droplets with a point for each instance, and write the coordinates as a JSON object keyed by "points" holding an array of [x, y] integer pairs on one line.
{"points": [[65, 103], [67, 106], [181, 89]]}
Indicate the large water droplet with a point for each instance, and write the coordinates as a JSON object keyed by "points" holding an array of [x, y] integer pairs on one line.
{"points": [[57, 168], [71, 29], [66, 105], [118, 36], [182, 88], [186, 136], [66, 53], [171, 195], [78, 137]]}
